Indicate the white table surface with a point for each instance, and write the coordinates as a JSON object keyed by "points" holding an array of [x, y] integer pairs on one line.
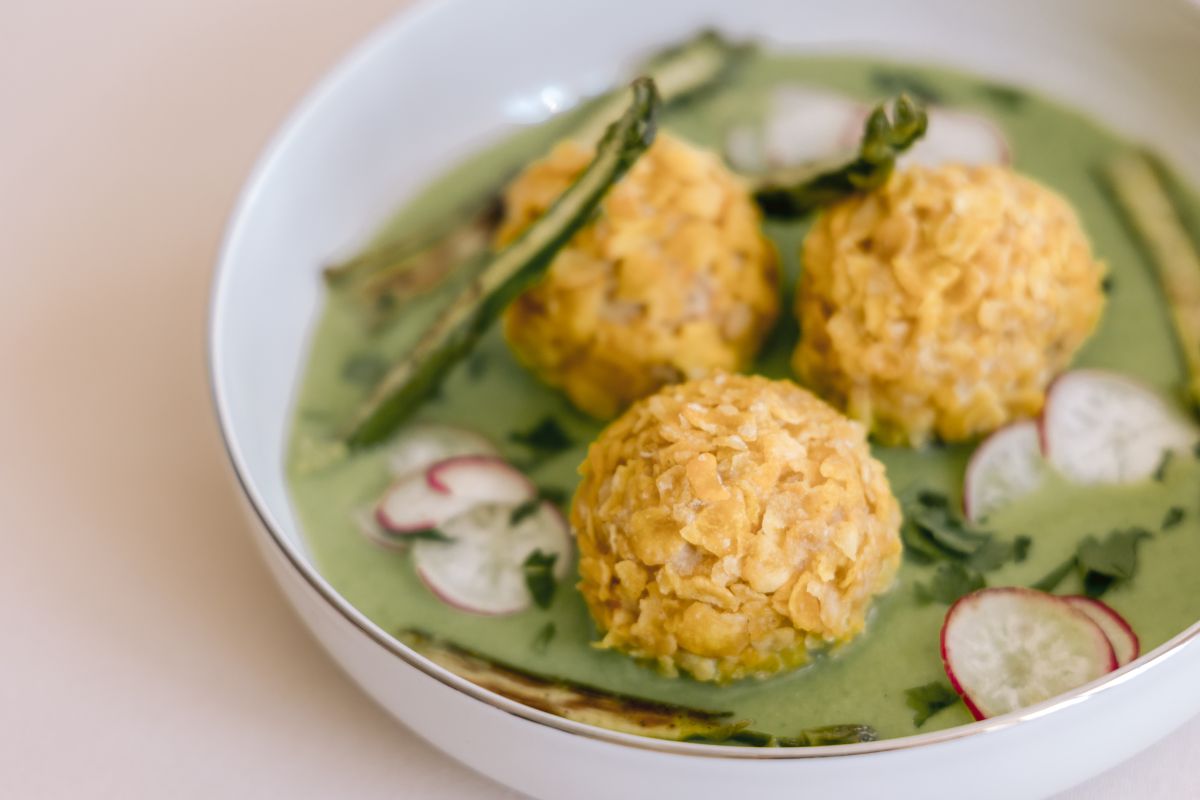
{"points": [[145, 651]]}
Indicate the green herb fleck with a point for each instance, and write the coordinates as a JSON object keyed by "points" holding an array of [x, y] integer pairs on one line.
{"points": [[363, 369], [539, 577], [544, 636], [1008, 97], [895, 81], [1196, 450], [927, 700], [1108, 284], [1021, 547], [1056, 576], [524, 511], [1104, 564], [477, 365], [1173, 517], [1160, 472], [428, 535], [934, 531], [950, 582], [545, 439], [553, 494]]}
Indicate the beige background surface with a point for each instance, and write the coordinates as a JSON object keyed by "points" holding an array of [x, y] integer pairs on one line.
{"points": [[145, 652]]}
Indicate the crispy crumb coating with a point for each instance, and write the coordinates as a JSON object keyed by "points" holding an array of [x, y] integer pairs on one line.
{"points": [[727, 525], [945, 302], [672, 281]]}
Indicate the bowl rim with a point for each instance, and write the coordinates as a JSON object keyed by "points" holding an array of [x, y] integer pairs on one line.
{"points": [[310, 105]]}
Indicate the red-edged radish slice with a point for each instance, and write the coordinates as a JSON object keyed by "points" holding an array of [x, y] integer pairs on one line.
{"points": [[1120, 633], [481, 569], [448, 488], [1101, 427], [953, 137], [421, 445], [803, 124], [1006, 466], [1010, 648]]}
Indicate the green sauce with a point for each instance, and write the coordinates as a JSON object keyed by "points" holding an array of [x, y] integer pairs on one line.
{"points": [[864, 682]]}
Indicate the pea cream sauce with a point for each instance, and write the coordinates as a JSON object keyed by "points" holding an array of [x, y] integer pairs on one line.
{"points": [[865, 681]]}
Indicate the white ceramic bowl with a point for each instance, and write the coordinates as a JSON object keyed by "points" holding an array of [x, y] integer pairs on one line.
{"points": [[454, 74]]}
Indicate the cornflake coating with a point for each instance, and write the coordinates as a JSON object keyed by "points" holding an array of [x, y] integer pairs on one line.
{"points": [[729, 524], [945, 302], [672, 281]]}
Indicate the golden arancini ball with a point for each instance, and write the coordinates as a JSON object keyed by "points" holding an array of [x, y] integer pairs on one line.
{"points": [[728, 525], [673, 280], [944, 302]]}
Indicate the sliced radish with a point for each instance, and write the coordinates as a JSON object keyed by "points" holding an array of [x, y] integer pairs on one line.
{"points": [[803, 124], [421, 445], [1006, 466], [481, 568], [1101, 427], [1120, 633], [448, 488], [953, 137], [1010, 648]]}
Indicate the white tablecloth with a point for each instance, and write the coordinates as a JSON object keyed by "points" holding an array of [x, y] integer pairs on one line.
{"points": [[145, 651]]}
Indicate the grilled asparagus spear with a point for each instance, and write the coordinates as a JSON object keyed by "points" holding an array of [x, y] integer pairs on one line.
{"points": [[389, 274], [795, 193], [1135, 182], [507, 273]]}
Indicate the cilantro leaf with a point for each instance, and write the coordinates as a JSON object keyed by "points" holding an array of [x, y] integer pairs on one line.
{"points": [[1056, 576], [927, 700], [544, 440], [950, 582], [1103, 564], [539, 577], [544, 636], [1173, 517], [934, 531], [545, 494], [524, 511]]}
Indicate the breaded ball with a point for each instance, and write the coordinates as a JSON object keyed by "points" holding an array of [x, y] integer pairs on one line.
{"points": [[728, 525], [944, 302], [672, 281]]}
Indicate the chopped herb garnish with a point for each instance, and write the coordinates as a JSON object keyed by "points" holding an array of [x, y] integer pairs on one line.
{"points": [[1009, 97], [1056, 576], [950, 582], [524, 511], [547, 438], [1107, 284], [428, 535], [539, 577], [553, 494], [1103, 564], [934, 531], [363, 369], [927, 700], [544, 636], [1160, 472], [895, 81], [1196, 450], [1021, 547], [1173, 517], [545, 494]]}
